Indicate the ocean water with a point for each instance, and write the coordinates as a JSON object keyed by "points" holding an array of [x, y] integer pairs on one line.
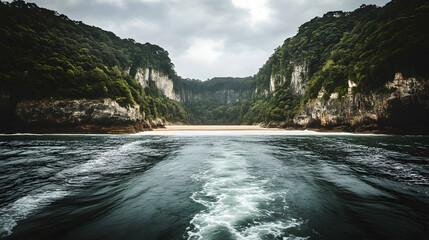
{"points": [[214, 185]]}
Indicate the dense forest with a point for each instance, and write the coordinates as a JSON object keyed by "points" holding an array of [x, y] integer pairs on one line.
{"points": [[367, 46], [215, 101], [45, 55]]}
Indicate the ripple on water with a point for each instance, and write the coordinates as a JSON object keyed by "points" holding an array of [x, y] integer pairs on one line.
{"points": [[107, 162], [386, 162]]}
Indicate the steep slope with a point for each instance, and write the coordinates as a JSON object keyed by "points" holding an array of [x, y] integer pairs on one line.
{"points": [[360, 70], [48, 57], [345, 56]]}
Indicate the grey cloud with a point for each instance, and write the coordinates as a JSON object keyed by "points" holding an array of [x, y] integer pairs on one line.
{"points": [[177, 25]]}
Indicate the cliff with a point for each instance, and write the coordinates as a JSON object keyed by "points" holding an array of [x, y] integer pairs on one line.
{"points": [[335, 73], [79, 116], [162, 81], [50, 63], [405, 108], [296, 79], [219, 90], [225, 96]]}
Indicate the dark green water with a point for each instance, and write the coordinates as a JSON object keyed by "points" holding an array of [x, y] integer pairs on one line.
{"points": [[214, 186]]}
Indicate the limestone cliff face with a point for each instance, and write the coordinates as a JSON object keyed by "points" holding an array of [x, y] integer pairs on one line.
{"points": [[406, 106], [275, 80], [141, 77], [224, 96], [298, 79], [263, 92], [166, 85], [228, 96], [162, 82], [103, 116]]}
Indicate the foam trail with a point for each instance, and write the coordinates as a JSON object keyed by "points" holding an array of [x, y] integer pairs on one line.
{"points": [[21, 208], [105, 162], [233, 200]]}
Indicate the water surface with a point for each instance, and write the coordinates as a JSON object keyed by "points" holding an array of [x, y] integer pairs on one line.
{"points": [[214, 185]]}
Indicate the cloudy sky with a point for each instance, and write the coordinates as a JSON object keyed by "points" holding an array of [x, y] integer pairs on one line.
{"points": [[205, 38]]}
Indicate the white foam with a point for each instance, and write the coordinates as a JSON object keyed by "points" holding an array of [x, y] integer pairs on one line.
{"points": [[18, 134], [105, 162], [233, 200], [21, 208]]}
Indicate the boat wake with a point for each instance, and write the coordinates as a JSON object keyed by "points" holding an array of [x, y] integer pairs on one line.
{"points": [[236, 203]]}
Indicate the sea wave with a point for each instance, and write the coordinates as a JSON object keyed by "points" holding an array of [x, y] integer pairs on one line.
{"points": [[23, 207]]}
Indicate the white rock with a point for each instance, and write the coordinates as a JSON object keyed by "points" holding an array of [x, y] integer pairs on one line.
{"points": [[297, 83]]}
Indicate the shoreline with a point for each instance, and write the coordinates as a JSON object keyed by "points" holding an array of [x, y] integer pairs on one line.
{"points": [[362, 130], [215, 128], [136, 129]]}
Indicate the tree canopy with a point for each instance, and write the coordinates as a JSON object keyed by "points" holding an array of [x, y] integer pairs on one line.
{"points": [[45, 55]]}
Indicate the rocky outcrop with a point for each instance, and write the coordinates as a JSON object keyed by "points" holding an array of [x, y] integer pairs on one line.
{"points": [[298, 79], [80, 116], [141, 77], [262, 92], [407, 106], [275, 80], [163, 82]]}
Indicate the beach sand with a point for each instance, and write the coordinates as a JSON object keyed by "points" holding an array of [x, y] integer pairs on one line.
{"points": [[216, 128]]}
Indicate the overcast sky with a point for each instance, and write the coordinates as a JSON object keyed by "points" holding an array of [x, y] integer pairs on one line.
{"points": [[205, 38]]}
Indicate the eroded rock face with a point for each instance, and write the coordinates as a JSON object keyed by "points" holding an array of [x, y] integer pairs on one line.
{"points": [[273, 81], [101, 112], [165, 84], [405, 87], [225, 96], [406, 106], [262, 92], [141, 77], [104, 115], [298, 79], [162, 82]]}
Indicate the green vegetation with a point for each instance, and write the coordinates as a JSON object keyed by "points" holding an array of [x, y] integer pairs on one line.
{"points": [[383, 41], [216, 101], [45, 55], [367, 46]]}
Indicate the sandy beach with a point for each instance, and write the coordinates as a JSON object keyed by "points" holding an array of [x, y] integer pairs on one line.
{"points": [[216, 128]]}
